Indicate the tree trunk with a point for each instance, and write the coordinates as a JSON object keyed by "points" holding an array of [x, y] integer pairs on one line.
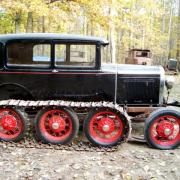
{"points": [[169, 31], [29, 26], [178, 37], [112, 35], [43, 24], [164, 17], [17, 22], [85, 25], [143, 38]]}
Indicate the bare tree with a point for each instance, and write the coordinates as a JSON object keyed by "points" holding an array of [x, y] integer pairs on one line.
{"points": [[170, 29], [29, 26], [178, 36], [112, 34]]}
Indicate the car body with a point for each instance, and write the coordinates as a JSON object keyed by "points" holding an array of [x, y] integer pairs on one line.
{"points": [[124, 84]]}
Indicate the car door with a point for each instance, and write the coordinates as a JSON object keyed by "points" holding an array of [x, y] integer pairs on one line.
{"points": [[27, 70], [79, 76], [40, 70]]}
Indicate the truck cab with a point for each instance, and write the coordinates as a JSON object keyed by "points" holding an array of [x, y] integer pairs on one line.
{"points": [[139, 56]]}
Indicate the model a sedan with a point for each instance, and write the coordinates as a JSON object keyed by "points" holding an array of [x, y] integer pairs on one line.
{"points": [[62, 76]]}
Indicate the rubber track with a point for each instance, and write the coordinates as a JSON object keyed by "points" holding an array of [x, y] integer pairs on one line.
{"points": [[30, 142]]}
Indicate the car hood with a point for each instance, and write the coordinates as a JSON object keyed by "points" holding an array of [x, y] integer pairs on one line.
{"points": [[132, 69]]}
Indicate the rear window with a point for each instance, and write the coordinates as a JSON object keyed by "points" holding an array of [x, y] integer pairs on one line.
{"points": [[28, 54], [75, 55]]}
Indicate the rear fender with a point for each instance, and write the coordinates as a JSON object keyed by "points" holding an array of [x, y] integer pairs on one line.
{"points": [[14, 91]]}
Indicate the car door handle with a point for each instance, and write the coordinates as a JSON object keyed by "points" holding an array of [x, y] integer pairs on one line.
{"points": [[54, 71]]}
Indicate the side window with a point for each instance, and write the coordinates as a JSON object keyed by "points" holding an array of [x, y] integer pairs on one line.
{"points": [[41, 53], [60, 53], [75, 55], [28, 54], [1, 56]]}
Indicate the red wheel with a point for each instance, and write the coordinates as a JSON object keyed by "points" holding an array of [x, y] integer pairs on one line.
{"points": [[163, 129], [104, 127], [12, 125], [57, 126]]}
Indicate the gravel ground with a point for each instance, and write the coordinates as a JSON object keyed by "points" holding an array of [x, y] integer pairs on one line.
{"points": [[131, 161]]}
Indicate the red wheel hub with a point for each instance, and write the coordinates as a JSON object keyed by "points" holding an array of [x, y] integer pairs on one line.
{"points": [[57, 124], [165, 129], [9, 122], [106, 125]]}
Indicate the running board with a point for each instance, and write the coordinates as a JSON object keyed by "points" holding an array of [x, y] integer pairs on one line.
{"points": [[137, 139]]}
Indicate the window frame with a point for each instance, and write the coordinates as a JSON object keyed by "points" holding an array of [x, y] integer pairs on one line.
{"points": [[30, 67], [1, 56], [52, 58], [66, 67]]}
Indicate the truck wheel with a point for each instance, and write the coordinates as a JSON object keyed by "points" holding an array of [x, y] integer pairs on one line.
{"points": [[104, 127], [162, 129], [12, 124], [56, 126]]}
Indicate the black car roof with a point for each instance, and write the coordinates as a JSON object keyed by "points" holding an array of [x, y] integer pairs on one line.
{"points": [[4, 38]]}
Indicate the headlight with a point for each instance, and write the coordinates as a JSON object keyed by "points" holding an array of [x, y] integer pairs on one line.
{"points": [[170, 82]]}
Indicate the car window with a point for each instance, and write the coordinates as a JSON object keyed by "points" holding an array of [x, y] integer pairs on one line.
{"points": [[75, 55], [41, 53], [1, 54], [60, 53], [28, 54]]}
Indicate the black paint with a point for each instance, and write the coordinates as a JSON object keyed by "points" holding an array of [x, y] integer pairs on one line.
{"points": [[78, 84]]}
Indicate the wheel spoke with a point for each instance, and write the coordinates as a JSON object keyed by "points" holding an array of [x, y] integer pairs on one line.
{"points": [[163, 130], [57, 126], [106, 127], [11, 125]]}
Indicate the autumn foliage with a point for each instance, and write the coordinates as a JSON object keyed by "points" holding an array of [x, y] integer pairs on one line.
{"points": [[150, 24]]}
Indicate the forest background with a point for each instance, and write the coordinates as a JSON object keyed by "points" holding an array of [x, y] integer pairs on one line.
{"points": [[146, 24]]}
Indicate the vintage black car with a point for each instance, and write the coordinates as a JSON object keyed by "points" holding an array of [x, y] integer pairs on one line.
{"points": [[62, 76]]}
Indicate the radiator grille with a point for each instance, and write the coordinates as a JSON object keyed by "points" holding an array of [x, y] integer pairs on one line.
{"points": [[139, 91]]}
